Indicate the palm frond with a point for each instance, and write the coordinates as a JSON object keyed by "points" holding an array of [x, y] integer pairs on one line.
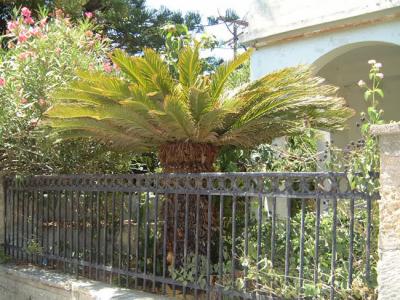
{"points": [[222, 73], [189, 65], [130, 65]]}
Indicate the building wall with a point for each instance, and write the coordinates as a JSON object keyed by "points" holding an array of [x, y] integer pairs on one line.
{"points": [[321, 48]]}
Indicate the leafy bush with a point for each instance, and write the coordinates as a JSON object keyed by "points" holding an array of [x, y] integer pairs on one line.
{"points": [[43, 55]]}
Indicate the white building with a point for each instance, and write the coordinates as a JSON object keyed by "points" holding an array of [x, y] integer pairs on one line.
{"points": [[337, 37]]}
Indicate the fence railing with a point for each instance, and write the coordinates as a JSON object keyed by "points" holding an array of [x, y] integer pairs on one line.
{"points": [[209, 236]]}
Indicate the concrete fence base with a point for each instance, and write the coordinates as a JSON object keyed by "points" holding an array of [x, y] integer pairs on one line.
{"points": [[31, 283]]}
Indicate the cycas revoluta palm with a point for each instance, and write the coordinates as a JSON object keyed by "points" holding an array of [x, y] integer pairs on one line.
{"points": [[187, 119]]}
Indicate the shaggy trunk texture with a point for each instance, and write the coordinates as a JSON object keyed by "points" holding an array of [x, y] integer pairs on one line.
{"points": [[188, 158]]}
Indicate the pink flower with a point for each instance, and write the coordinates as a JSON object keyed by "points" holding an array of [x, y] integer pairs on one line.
{"points": [[29, 20], [91, 43], [379, 75], [107, 67], [25, 55], [12, 25], [43, 22], [2, 82], [35, 31], [24, 101], [22, 37], [88, 14], [26, 12]]}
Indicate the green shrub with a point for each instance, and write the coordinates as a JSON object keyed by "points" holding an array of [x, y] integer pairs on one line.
{"points": [[42, 55]]}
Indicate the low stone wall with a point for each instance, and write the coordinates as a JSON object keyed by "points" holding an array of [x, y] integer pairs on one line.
{"points": [[31, 283]]}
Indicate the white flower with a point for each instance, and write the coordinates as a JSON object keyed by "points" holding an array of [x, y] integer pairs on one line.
{"points": [[378, 65], [372, 61], [361, 83], [379, 75]]}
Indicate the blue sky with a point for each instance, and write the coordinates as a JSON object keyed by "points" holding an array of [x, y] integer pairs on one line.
{"points": [[207, 8]]}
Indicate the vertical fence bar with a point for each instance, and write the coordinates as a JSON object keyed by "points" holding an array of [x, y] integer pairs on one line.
{"points": [[98, 250], [121, 224], [37, 212], [28, 221], [197, 243], [91, 251], [137, 238], [351, 243], [164, 273], [5, 216], [273, 225], [129, 236], [146, 238], [78, 216], [112, 227], [246, 239], [72, 254], [208, 271], [333, 260], [176, 203], [155, 241], [287, 243], [259, 224], [18, 245], [316, 245], [233, 250], [47, 227], [33, 222], [14, 214], [221, 244], [23, 218], [65, 228], [53, 228], [302, 233], [186, 237], [84, 222], [368, 241], [59, 227], [28, 238], [42, 259], [23, 224], [105, 233]]}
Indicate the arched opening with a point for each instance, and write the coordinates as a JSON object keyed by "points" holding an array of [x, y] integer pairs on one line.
{"points": [[345, 66]]}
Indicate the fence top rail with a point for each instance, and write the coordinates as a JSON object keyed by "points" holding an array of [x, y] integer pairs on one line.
{"points": [[273, 184]]}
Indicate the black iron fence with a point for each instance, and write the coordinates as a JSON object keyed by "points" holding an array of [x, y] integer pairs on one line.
{"points": [[214, 236]]}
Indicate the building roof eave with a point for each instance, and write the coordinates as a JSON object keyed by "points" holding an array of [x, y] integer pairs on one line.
{"points": [[259, 39]]}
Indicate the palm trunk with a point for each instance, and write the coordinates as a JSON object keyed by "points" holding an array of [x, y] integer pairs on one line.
{"points": [[186, 157]]}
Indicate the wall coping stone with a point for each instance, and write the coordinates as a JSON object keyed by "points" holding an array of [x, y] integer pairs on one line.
{"points": [[386, 129], [85, 288]]}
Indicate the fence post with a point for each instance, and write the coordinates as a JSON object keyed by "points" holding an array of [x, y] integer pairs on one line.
{"points": [[389, 211]]}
